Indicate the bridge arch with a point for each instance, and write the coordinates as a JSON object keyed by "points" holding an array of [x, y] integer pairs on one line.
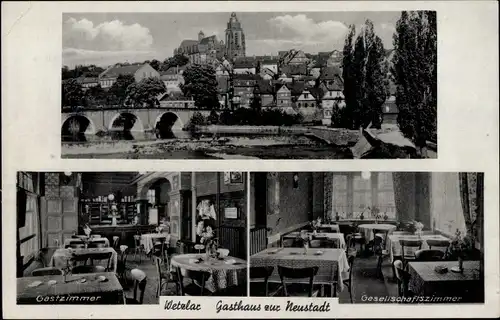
{"points": [[76, 125], [126, 121], [166, 123]]}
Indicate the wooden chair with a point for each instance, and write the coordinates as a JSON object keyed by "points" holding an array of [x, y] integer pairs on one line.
{"points": [[121, 267], [298, 289], [78, 260], [348, 282], [159, 248], [139, 248], [193, 289], [438, 244], [429, 255], [140, 281], [47, 271], [355, 237], [403, 278], [381, 253], [101, 256], [164, 278], [326, 230], [259, 282], [408, 249]]}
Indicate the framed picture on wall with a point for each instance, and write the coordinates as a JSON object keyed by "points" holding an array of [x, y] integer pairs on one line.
{"points": [[234, 177], [231, 213]]}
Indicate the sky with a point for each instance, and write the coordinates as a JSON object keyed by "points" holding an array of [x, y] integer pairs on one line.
{"points": [[107, 38]]}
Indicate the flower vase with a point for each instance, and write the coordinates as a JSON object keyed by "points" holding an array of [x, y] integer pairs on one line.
{"points": [[113, 221], [337, 218], [315, 233], [361, 217]]}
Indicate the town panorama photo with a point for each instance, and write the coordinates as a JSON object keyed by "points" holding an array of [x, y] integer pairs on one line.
{"points": [[249, 85]]}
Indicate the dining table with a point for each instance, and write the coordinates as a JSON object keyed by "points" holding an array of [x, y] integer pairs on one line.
{"points": [[89, 288], [320, 235], [425, 281], [225, 272], [61, 256], [394, 246], [367, 229], [332, 263], [148, 240]]}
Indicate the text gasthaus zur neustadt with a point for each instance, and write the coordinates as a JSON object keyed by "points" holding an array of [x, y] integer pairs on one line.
{"points": [[241, 306]]}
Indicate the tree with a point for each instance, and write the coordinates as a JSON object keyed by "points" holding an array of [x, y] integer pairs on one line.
{"points": [[178, 60], [155, 64], [415, 75], [145, 92], [365, 78], [201, 84], [72, 94], [256, 102], [348, 76], [118, 91], [213, 118], [96, 95]]}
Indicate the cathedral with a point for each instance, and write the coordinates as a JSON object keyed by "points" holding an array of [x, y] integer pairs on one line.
{"points": [[235, 38], [206, 50]]}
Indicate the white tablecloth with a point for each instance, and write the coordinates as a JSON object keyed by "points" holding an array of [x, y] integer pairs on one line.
{"points": [[395, 248], [367, 229], [148, 239], [332, 263]]}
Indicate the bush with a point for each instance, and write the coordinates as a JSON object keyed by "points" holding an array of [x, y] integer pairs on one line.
{"points": [[213, 118], [196, 120]]}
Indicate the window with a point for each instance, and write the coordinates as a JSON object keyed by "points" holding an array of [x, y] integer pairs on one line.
{"points": [[352, 194], [446, 204], [152, 196], [299, 105], [306, 95], [306, 105], [29, 234]]}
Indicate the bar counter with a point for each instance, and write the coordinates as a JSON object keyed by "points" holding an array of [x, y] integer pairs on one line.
{"points": [[126, 232]]}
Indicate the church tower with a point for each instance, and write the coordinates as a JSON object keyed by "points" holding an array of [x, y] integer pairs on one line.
{"points": [[201, 35], [235, 38]]}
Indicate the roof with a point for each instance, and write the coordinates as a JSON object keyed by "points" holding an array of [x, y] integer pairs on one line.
{"points": [[369, 141], [244, 64], [264, 87], [207, 40], [294, 69], [296, 88], [188, 43], [174, 96], [246, 77], [117, 70], [267, 71], [316, 92], [171, 71], [330, 73], [87, 80]]}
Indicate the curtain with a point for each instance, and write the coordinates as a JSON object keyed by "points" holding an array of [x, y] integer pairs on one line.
{"points": [[471, 195], [404, 195]]}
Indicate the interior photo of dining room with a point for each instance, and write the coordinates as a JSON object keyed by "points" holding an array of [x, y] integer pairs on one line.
{"points": [[368, 237], [130, 237]]}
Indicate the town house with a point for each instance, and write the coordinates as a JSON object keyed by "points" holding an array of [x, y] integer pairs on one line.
{"points": [[140, 71]]}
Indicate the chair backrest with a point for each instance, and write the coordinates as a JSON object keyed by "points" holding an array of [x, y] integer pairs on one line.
{"points": [[432, 243], [99, 256], [326, 230], [297, 273], [408, 247], [158, 262], [429, 255], [140, 282], [48, 271], [76, 258], [262, 273], [288, 243], [198, 276]]}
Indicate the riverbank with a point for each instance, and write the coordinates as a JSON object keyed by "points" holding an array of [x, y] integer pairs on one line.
{"points": [[260, 147]]}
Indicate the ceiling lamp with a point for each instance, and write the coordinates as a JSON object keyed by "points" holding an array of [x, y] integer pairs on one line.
{"points": [[365, 175]]}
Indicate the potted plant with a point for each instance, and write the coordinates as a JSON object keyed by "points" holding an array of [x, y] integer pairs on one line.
{"points": [[207, 238], [459, 247], [303, 238]]}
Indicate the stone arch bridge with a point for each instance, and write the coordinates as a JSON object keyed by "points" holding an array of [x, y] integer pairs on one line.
{"points": [[135, 120]]}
